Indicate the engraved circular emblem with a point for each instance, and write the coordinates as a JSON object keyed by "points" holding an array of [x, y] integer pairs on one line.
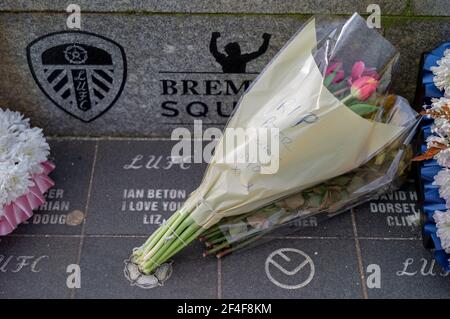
{"points": [[137, 278], [75, 54], [82, 73], [289, 268]]}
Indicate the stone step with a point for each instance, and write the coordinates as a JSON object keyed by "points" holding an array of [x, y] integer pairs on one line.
{"points": [[161, 73]]}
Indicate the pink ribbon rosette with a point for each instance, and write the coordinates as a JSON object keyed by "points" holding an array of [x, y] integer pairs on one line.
{"points": [[24, 170]]}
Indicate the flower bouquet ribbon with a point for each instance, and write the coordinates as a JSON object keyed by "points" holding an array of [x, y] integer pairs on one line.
{"points": [[24, 170], [326, 125]]}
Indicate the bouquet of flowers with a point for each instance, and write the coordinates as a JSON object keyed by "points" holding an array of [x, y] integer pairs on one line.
{"points": [[24, 170], [383, 173], [435, 166], [323, 96]]}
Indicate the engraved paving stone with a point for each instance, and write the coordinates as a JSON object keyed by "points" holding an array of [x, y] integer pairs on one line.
{"points": [[402, 269], [103, 265], [66, 201], [293, 268], [136, 186], [318, 226], [37, 267], [391, 215]]}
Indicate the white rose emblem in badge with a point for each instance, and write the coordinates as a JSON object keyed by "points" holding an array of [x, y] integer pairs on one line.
{"points": [[80, 72]]}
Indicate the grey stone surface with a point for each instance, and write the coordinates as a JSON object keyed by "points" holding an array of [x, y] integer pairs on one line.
{"points": [[413, 37], [64, 212], [174, 50], [431, 7], [318, 226], [103, 264], [36, 267], [407, 270], [110, 237], [221, 6], [127, 197], [334, 273], [390, 216], [157, 48]]}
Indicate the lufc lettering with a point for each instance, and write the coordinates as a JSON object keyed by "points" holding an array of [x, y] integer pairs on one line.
{"points": [[182, 90], [15, 264]]}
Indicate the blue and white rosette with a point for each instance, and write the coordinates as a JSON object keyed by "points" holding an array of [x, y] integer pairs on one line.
{"points": [[430, 61], [432, 200], [436, 221]]}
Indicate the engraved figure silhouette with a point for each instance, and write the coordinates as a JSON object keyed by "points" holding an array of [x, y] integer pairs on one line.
{"points": [[234, 61]]}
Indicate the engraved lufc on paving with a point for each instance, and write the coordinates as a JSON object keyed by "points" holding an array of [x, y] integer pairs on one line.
{"points": [[294, 270]]}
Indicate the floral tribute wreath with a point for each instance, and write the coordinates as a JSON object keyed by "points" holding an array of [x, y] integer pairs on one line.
{"points": [[435, 160], [24, 170]]}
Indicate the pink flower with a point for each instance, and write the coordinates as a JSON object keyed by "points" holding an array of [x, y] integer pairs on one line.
{"points": [[339, 77], [358, 70], [363, 87], [333, 67]]}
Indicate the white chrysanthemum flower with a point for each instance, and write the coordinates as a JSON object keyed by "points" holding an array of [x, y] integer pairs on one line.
{"points": [[437, 103], [442, 220], [35, 148], [14, 181], [443, 158], [442, 126], [22, 150], [433, 139], [442, 179], [442, 73]]}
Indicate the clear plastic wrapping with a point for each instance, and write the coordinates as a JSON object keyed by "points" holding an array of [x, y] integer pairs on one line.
{"points": [[383, 173], [339, 139]]}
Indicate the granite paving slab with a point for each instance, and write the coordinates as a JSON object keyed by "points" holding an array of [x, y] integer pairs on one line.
{"points": [[321, 225], [393, 215], [103, 263], [136, 186], [405, 270], [36, 267], [64, 212], [321, 259], [293, 268]]}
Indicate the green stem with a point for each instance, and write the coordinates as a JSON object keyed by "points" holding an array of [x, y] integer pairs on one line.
{"points": [[193, 237], [214, 236], [211, 234], [164, 242], [186, 237], [183, 241], [211, 230], [216, 240], [176, 218]]}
